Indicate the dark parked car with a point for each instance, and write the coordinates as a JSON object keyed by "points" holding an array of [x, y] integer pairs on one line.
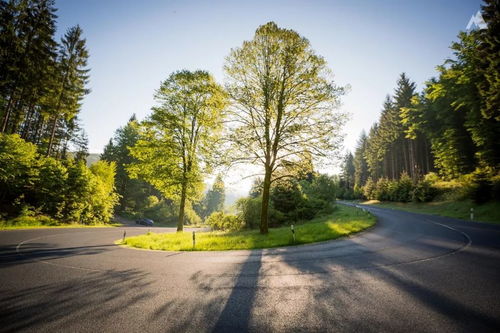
{"points": [[147, 222]]}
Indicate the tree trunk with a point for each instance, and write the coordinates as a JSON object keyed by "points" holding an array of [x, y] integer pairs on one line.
{"points": [[180, 222], [265, 202], [27, 122], [52, 135], [405, 159], [7, 114]]}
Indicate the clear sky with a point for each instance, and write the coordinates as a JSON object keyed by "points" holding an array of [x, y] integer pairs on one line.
{"points": [[134, 45]]}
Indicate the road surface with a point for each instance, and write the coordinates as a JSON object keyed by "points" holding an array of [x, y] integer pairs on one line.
{"points": [[410, 272]]}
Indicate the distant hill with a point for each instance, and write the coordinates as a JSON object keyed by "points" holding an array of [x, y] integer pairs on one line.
{"points": [[92, 158]]}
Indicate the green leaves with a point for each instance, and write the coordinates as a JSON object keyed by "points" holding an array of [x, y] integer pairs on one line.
{"points": [[178, 142], [66, 190]]}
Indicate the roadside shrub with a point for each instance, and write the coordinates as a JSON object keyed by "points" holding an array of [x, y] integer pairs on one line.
{"points": [[403, 189], [249, 211], [66, 190], [369, 189], [381, 191], [495, 191], [18, 171], [226, 222], [161, 212], [323, 187], [480, 188], [424, 191], [358, 192]]}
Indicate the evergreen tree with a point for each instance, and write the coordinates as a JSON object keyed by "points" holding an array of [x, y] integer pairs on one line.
{"points": [[26, 58], [134, 193], [214, 199], [348, 171], [72, 76], [360, 166]]}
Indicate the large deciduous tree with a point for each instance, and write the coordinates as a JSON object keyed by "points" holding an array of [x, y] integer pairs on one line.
{"points": [[284, 103], [177, 142]]}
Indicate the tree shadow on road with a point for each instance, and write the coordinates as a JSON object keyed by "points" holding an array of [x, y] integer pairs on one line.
{"points": [[78, 303], [235, 317], [32, 252]]}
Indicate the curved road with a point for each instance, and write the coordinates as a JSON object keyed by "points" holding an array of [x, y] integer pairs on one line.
{"points": [[410, 272]]}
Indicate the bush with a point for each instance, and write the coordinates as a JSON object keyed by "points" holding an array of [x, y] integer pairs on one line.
{"points": [[402, 189], [66, 190], [382, 190], [481, 187], [424, 191], [369, 189], [226, 222], [18, 171], [249, 209]]}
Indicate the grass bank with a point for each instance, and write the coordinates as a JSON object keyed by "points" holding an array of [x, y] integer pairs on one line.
{"points": [[344, 221], [488, 212], [34, 222]]}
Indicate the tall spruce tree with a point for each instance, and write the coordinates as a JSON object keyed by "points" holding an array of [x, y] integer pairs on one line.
{"points": [[72, 76], [26, 58], [360, 166], [214, 199]]}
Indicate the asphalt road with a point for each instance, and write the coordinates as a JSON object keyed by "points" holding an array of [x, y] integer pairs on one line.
{"points": [[410, 272]]}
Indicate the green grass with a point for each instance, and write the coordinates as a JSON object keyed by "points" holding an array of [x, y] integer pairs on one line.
{"points": [[344, 221], [33, 222], [488, 212]]}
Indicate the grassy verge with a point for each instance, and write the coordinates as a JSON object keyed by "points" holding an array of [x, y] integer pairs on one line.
{"points": [[488, 212], [34, 222], [345, 221]]}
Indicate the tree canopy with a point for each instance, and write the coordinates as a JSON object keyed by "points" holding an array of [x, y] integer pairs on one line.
{"points": [[283, 103], [177, 143]]}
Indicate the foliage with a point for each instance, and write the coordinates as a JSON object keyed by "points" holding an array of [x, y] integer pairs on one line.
{"points": [[360, 165], [487, 212], [449, 131], [177, 142], [302, 196], [424, 191], [220, 221], [345, 221], [214, 198], [134, 193], [249, 210], [18, 170], [42, 82], [64, 190], [283, 104]]}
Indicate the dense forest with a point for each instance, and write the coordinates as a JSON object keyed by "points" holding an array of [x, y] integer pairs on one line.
{"points": [[443, 136], [42, 146]]}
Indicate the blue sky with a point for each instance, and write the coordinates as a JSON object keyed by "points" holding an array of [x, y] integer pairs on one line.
{"points": [[134, 45]]}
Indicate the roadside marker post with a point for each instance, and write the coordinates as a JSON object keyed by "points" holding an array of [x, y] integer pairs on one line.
{"points": [[124, 235], [293, 233], [472, 214], [194, 239]]}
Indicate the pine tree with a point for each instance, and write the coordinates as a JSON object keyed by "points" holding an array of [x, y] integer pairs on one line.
{"points": [[360, 166], [27, 58], [214, 199], [72, 76]]}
